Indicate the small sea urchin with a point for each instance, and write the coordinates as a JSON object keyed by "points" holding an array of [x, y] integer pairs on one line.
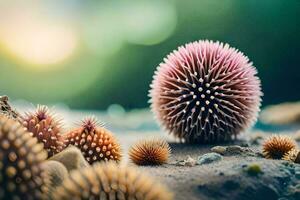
{"points": [[293, 155], [110, 181], [22, 175], [150, 152], [46, 128], [277, 146], [206, 92], [95, 142]]}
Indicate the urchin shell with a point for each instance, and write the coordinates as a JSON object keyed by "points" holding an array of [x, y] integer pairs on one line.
{"points": [[150, 152], [110, 181], [95, 142], [276, 146], [46, 128], [206, 92], [293, 155], [22, 175]]}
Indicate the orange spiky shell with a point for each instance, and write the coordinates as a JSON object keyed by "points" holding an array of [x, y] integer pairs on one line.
{"points": [[110, 181], [95, 142], [276, 146], [293, 155], [46, 128], [150, 152], [22, 175]]}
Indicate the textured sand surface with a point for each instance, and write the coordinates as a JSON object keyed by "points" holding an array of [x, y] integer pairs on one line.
{"points": [[225, 179]]}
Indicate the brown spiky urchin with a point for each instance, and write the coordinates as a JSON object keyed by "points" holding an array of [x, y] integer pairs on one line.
{"points": [[46, 128], [293, 155], [95, 142], [110, 181], [276, 146], [206, 92], [150, 152], [22, 175]]}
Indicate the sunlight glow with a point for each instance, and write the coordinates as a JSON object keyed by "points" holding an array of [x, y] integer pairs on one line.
{"points": [[35, 42]]}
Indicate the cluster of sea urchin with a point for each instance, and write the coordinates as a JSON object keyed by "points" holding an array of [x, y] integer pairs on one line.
{"points": [[150, 152], [276, 146], [110, 181], [206, 92], [21, 174], [46, 128], [95, 142]]}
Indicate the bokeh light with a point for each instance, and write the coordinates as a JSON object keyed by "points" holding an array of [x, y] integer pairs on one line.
{"points": [[101, 32], [28, 37], [39, 46], [148, 22]]}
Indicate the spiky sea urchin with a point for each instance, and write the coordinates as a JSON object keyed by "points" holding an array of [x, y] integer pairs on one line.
{"points": [[22, 175], [95, 142], [293, 155], [206, 92], [276, 146], [110, 181], [150, 152], [46, 128]]}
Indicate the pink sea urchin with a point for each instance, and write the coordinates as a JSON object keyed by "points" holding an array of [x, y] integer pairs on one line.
{"points": [[43, 125], [206, 92]]}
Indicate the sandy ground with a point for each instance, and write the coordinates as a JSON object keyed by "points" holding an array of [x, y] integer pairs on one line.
{"points": [[225, 179]]}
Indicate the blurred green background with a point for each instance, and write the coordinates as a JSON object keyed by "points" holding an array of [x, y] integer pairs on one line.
{"points": [[92, 54]]}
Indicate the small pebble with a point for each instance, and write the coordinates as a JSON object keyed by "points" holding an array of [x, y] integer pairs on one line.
{"points": [[190, 162], [71, 158], [219, 149], [254, 169], [209, 158], [57, 172], [235, 150]]}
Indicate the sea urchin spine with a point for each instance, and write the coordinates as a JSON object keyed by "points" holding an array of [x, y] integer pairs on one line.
{"points": [[293, 155], [95, 142], [110, 181], [206, 92], [22, 175], [46, 128], [150, 152], [277, 146]]}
